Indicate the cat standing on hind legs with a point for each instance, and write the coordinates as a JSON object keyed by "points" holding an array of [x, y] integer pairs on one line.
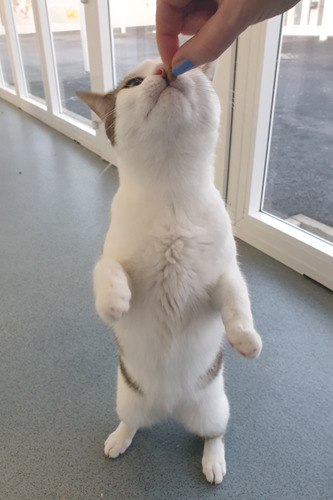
{"points": [[168, 275]]}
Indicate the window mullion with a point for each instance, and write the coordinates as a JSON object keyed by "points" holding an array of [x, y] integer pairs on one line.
{"points": [[47, 56], [99, 46]]}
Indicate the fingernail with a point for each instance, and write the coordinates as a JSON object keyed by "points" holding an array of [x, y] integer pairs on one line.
{"points": [[182, 67]]}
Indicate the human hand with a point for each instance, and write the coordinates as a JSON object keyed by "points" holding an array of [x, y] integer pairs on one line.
{"points": [[215, 24]]}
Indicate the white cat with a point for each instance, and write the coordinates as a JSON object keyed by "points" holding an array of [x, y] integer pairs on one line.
{"points": [[168, 270]]}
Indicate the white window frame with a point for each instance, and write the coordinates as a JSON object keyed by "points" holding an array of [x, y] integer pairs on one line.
{"points": [[257, 53], [224, 80]]}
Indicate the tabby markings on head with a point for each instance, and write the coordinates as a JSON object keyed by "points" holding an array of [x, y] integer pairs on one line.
{"points": [[105, 105], [110, 117]]}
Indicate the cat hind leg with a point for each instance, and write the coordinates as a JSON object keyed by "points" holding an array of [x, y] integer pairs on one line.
{"points": [[134, 412], [208, 417], [213, 460]]}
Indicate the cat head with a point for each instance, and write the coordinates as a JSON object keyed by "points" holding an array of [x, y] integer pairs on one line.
{"points": [[147, 116]]}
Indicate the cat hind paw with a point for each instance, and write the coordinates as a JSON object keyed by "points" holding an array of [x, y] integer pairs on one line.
{"points": [[213, 461], [214, 472], [118, 442]]}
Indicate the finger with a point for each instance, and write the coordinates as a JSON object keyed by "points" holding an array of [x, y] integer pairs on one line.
{"points": [[169, 20], [200, 11], [193, 22], [215, 36]]}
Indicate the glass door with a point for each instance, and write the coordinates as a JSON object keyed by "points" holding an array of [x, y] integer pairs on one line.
{"points": [[50, 49], [299, 177], [6, 76], [44, 59], [281, 162]]}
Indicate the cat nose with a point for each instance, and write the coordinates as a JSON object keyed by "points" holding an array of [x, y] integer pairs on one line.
{"points": [[159, 70]]}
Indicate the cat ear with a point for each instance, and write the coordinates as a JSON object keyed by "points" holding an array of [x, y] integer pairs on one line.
{"points": [[98, 103], [209, 69]]}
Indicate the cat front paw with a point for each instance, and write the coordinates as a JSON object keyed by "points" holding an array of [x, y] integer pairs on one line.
{"points": [[247, 342], [113, 303], [113, 294]]}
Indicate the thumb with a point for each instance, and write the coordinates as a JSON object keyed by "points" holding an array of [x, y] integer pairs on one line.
{"points": [[216, 35]]}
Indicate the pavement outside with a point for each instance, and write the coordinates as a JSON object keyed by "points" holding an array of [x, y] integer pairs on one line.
{"points": [[300, 172]]}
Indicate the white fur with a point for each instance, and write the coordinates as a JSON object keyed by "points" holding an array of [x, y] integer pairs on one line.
{"points": [[168, 270]]}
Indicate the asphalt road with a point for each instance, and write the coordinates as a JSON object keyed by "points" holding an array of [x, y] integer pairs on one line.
{"points": [[300, 172]]}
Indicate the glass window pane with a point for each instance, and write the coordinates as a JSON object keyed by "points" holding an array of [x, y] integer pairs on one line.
{"points": [[299, 183], [26, 31], [70, 45], [133, 30], [6, 72]]}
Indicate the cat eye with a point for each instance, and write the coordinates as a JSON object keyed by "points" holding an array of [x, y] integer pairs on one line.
{"points": [[133, 82]]}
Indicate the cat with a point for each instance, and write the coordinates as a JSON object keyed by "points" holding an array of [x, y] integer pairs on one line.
{"points": [[168, 274]]}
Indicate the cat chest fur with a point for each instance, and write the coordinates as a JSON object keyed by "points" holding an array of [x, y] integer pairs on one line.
{"points": [[173, 274]]}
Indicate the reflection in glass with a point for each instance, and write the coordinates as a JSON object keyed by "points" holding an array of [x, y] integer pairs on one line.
{"points": [[69, 38], [26, 31], [133, 32], [299, 183], [6, 73]]}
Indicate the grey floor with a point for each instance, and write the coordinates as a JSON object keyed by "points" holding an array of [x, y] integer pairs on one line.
{"points": [[58, 361]]}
